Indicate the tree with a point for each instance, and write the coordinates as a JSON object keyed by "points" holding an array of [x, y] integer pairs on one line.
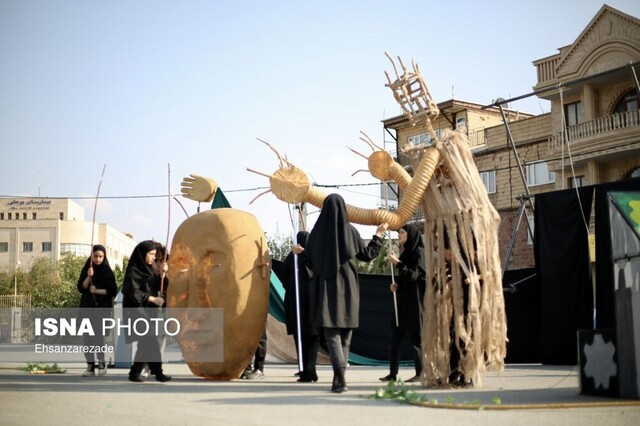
{"points": [[6, 283], [380, 265], [53, 285], [279, 246], [119, 272]]}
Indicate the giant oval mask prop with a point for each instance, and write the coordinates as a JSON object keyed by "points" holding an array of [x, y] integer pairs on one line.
{"points": [[219, 259]]}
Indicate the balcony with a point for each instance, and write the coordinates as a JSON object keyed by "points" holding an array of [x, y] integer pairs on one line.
{"points": [[477, 139], [603, 126], [546, 70]]}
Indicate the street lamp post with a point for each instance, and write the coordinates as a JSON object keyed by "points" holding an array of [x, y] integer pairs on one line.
{"points": [[15, 281]]}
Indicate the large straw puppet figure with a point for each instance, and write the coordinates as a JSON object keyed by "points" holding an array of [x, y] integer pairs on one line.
{"points": [[464, 322]]}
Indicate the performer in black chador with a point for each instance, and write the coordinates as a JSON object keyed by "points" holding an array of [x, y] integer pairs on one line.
{"points": [[309, 333], [97, 284], [334, 244], [137, 293], [409, 289]]}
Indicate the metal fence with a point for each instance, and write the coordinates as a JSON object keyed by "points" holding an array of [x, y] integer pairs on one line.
{"points": [[14, 326]]}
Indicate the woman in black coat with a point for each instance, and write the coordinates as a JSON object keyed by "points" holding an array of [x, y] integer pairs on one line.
{"points": [[138, 292], [97, 284], [409, 288], [309, 332], [333, 247]]}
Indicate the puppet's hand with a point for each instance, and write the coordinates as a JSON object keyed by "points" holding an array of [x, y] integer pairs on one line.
{"points": [[289, 183], [198, 188], [412, 94]]}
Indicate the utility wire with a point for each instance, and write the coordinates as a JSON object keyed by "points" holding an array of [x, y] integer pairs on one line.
{"points": [[120, 197]]}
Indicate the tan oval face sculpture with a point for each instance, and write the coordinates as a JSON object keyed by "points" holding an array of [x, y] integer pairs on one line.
{"points": [[219, 259]]}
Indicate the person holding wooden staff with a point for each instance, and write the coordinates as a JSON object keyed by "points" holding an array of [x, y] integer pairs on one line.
{"points": [[410, 289], [97, 284], [334, 244], [137, 293], [309, 332]]}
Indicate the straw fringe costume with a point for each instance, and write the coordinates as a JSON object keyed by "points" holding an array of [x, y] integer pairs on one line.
{"points": [[464, 306]]}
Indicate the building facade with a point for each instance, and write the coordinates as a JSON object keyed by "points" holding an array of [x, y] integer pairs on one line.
{"points": [[591, 135], [45, 227]]}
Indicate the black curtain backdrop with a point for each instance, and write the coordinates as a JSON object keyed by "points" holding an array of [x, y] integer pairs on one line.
{"points": [[377, 316], [605, 304], [522, 304], [545, 310], [562, 261]]}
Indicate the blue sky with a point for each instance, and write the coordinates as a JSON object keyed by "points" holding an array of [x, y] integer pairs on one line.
{"points": [[140, 84]]}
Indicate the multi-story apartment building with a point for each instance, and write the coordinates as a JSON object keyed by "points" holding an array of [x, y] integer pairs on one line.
{"points": [[591, 135], [47, 227]]}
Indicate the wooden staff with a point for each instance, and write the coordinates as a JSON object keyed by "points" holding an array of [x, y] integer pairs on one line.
{"points": [[166, 245], [93, 224], [393, 279], [295, 263]]}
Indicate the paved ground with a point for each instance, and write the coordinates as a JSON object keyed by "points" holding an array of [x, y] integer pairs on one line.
{"points": [[278, 400]]}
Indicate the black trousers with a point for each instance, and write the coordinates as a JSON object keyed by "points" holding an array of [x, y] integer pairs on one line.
{"points": [[394, 350], [148, 352], [310, 345], [338, 344], [97, 340], [260, 354]]}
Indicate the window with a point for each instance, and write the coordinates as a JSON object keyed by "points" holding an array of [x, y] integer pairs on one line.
{"points": [[421, 139], [539, 174], [461, 122], [33, 215], [46, 246], [9, 216], [489, 180], [27, 247], [61, 216], [17, 216], [24, 215], [532, 227], [576, 182], [77, 249], [629, 102], [1, 216], [573, 113], [4, 247]]}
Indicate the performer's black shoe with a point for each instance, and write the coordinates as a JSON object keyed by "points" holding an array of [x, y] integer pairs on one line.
{"points": [[339, 384], [162, 378], [414, 379], [134, 372], [308, 377], [389, 378], [339, 389], [135, 378]]}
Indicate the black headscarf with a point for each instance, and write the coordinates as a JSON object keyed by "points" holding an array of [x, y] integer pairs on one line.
{"points": [[413, 250], [333, 240], [103, 278], [302, 238], [138, 267], [103, 269]]}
